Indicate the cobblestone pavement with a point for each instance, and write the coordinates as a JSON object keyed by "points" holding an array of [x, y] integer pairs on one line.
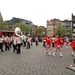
{"points": [[34, 62]]}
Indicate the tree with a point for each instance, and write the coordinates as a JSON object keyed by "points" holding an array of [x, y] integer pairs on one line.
{"points": [[24, 27], [60, 30], [4, 26], [70, 32], [64, 31], [39, 30]]}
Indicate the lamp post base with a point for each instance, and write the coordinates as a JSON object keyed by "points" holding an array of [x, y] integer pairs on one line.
{"points": [[71, 68]]}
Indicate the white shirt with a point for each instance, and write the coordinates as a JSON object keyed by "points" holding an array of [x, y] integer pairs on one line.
{"points": [[67, 39], [53, 39], [29, 40], [17, 40], [1, 40]]}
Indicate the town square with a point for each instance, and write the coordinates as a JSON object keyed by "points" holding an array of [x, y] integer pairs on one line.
{"points": [[37, 37]]}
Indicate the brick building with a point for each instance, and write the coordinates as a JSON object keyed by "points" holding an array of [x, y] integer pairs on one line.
{"points": [[51, 26]]}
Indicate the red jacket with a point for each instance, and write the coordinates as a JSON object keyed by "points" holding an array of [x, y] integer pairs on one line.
{"points": [[48, 41], [57, 42], [62, 41], [73, 44]]}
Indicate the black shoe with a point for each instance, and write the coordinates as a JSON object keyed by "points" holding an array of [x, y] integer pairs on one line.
{"points": [[2, 51], [17, 53], [13, 51]]}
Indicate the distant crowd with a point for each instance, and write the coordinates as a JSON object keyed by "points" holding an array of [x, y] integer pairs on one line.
{"points": [[56, 42]]}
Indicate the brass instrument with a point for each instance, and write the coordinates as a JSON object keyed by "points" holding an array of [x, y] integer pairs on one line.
{"points": [[18, 32]]}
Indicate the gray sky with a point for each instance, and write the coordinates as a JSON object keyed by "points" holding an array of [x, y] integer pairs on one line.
{"points": [[38, 11]]}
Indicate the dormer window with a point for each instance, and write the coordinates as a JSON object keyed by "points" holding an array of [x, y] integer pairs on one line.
{"points": [[50, 22]]}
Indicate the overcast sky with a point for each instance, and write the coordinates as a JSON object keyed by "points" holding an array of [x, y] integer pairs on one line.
{"points": [[38, 11]]}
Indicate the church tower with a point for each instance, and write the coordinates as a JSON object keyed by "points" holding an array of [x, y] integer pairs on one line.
{"points": [[1, 18]]}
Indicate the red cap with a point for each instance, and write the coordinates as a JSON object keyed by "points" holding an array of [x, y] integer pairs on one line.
{"points": [[1, 33]]}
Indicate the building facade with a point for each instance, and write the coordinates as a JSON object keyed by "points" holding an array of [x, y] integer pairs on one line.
{"points": [[67, 24], [51, 26], [15, 20]]}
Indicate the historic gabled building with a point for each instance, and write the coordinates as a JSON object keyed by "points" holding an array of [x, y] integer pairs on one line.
{"points": [[51, 26], [1, 18]]}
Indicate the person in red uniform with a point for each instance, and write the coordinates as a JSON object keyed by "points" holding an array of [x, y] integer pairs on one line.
{"points": [[72, 44], [53, 40], [48, 45], [57, 45], [62, 42]]}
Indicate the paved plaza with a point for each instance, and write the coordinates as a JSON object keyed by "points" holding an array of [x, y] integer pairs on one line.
{"points": [[34, 62]]}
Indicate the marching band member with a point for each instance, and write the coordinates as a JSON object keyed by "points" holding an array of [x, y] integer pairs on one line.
{"points": [[7, 42], [48, 45], [1, 42], [72, 44], [3, 38], [57, 44], [29, 42], [67, 42], [10, 38], [61, 42], [24, 39], [14, 43], [53, 40], [18, 42], [36, 40]]}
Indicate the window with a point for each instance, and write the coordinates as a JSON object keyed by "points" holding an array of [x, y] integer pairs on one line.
{"points": [[48, 32], [48, 26], [57, 22], [73, 24], [73, 30], [55, 27], [50, 22], [51, 27], [51, 32]]}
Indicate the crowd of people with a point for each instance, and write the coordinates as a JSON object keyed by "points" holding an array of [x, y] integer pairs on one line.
{"points": [[55, 42], [16, 41]]}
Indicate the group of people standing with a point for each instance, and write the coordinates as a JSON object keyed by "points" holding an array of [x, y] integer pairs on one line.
{"points": [[8, 40], [57, 42], [16, 41]]}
